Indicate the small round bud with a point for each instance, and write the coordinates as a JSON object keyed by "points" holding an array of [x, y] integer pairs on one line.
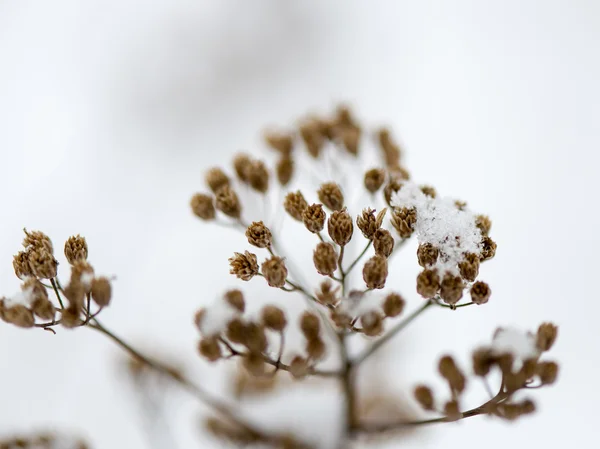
{"points": [[428, 191], [202, 206], [76, 249], [403, 220], [312, 138], [484, 224], [19, 315], [480, 292], [281, 142], [37, 240], [275, 271], [375, 272], [451, 290], [449, 371], [330, 194], [427, 254], [258, 176], [210, 349], [273, 318], [255, 337], [216, 178], [368, 223], [101, 291], [469, 267], [488, 249], [236, 299], [313, 218], [295, 204], [546, 336], [285, 170], [371, 323], [315, 348], [240, 164], [452, 411], [243, 266], [424, 397], [70, 317], [428, 283], [374, 179], [21, 265], [42, 263], [483, 360], [327, 294], [236, 331], [393, 305], [340, 227], [43, 308], [254, 364], [310, 325], [383, 242], [259, 235], [299, 367], [325, 259], [390, 188], [548, 372], [228, 202]]}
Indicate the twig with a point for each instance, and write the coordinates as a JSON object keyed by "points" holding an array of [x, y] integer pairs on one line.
{"points": [[53, 282], [360, 256]]}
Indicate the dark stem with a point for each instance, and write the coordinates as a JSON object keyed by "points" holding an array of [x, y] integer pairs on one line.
{"points": [[360, 256], [54, 286]]}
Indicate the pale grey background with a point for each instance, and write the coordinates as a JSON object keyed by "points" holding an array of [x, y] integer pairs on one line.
{"points": [[110, 110]]}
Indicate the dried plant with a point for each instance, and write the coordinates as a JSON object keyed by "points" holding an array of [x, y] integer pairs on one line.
{"points": [[348, 314]]}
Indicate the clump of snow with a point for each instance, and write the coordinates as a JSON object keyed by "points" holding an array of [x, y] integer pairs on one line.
{"points": [[24, 297], [86, 279], [357, 303], [442, 224], [521, 345], [217, 316]]}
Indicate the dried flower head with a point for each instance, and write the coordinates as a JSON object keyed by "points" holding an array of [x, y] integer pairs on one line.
{"points": [[484, 224], [372, 323], [374, 179], [393, 305], [340, 227], [310, 325], [281, 142], [451, 289], [383, 242], [255, 338], [259, 235], [299, 367], [424, 397], [488, 248], [330, 194], [483, 360], [38, 241], [429, 191], [284, 170], [258, 176], [295, 204], [325, 259], [375, 272], [391, 151], [546, 336], [76, 249], [547, 372], [101, 291], [202, 206], [210, 349], [42, 263], [327, 293], [312, 137], [241, 161], [17, 314], [228, 202], [216, 178], [243, 266], [392, 187], [453, 375], [368, 223], [21, 265], [235, 298], [469, 267], [273, 318], [254, 364], [403, 220], [315, 348], [428, 283], [480, 292], [275, 271], [427, 254], [314, 218]]}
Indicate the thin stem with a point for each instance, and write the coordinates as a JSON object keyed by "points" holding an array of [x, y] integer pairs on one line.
{"points": [[360, 256], [391, 333], [454, 307], [54, 286], [340, 259]]}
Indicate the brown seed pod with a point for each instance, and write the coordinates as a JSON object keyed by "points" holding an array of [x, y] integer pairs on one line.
{"points": [[275, 271], [273, 318], [202, 206], [371, 323], [310, 325], [368, 223], [243, 266], [340, 227], [314, 218], [76, 249], [21, 265], [374, 179], [227, 201], [101, 291], [484, 224], [451, 290], [235, 298], [488, 249], [428, 283], [375, 272], [546, 336], [393, 305], [427, 254], [216, 178], [240, 164], [258, 176], [469, 267], [210, 349], [325, 259], [295, 204], [285, 170], [315, 348], [383, 243], [424, 397], [259, 235], [480, 292], [330, 194], [403, 220]]}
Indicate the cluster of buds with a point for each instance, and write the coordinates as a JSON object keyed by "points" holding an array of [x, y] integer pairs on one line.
{"points": [[70, 306], [42, 441]]}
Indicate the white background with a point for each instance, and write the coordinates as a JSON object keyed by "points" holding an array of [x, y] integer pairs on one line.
{"points": [[111, 110]]}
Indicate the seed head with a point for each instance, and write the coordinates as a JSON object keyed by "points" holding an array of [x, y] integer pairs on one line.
{"points": [[330, 194], [235, 298], [327, 294], [101, 291], [76, 249], [429, 191], [315, 348], [428, 283], [325, 259], [452, 411], [70, 317], [18, 314], [312, 138], [299, 367], [43, 308], [281, 142], [42, 263], [449, 371], [255, 338], [383, 242], [403, 220], [243, 266], [228, 202], [488, 248], [258, 176], [483, 360], [340, 227], [548, 372], [484, 224], [350, 137], [480, 292], [273, 318], [210, 349], [393, 186], [391, 151], [452, 288], [375, 272], [372, 323], [427, 254], [216, 178], [469, 267], [314, 218], [259, 235], [37, 240], [295, 204], [546, 336], [240, 164], [202, 206], [393, 305], [284, 170], [236, 331], [310, 325], [21, 265], [368, 223], [275, 271], [374, 179], [254, 364], [424, 397]]}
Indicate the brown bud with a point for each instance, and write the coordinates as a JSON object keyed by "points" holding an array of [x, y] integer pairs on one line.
{"points": [[374, 179], [469, 267], [403, 220], [325, 259], [202, 206], [310, 325], [427, 254], [295, 204], [101, 291], [210, 349], [236, 331], [546, 336], [198, 317], [391, 187], [350, 137], [483, 360], [548, 372], [76, 249], [428, 283], [216, 178], [314, 218], [424, 397], [70, 317], [254, 364], [428, 191], [460, 205], [275, 271], [368, 223], [285, 170], [341, 319], [240, 164], [37, 240], [315, 348], [330, 194], [327, 294], [391, 151], [383, 242], [480, 292], [43, 308], [309, 131], [235, 298], [375, 272], [281, 142], [243, 266], [484, 224], [452, 411], [255, 337], [371, 323], [228, 202], [340, 227], [259, 235], [75, 293], [19, 315], [273, 318], [258, 176], [21, 265], [393, 305], [488, 248], [449, 371], [42, 263], [451, 288], [299, 367]]}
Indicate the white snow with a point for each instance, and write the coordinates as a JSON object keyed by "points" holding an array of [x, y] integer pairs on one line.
{"points": [[521, 345], [217, 316], [24, 297]]}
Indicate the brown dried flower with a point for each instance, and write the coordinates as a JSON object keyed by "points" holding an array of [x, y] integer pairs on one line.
{"points": [[275, 271], [480, 292], [295, 204], [314, 218], [424, 397], [254, 364], [368, 223], [42, 263], [273, 318], [325, 259], [210, 349], [330, 194], [548, 372], [483, 360], [244, 266], [350, 137], [391, 151], [484, 224], [37, 240], [258, 176], [403, 220], [236, 331], [259, 235], [546, 336], [393, 305], [284, 170], [216, 178], [488, 248], [451, 289], [299, 367], [202, 206], [235, 298], [428, 283], [240, 164], [17, 314], [255, 338], [327, 294], [340, 227], [375, 272], [427, 254], [374, 179], [315, 348], [76, 249], [281, 142], [311, 135], [449, 371], [393, 186], [310, 325], [228, 202], [101, 291], [452, 410], [383, 242], [21, 265], [372, 323], [429, 191], [469, 267]]}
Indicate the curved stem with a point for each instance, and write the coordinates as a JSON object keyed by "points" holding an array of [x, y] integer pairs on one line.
{"points": [[360, 256]]}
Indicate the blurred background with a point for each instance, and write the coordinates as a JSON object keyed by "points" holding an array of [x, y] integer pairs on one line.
{"points": [[110, 111]]}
